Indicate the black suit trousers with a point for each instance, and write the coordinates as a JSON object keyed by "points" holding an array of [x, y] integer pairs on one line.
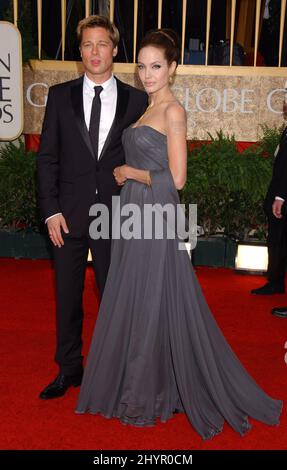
{"points": [[70, 265], [277, 249]]}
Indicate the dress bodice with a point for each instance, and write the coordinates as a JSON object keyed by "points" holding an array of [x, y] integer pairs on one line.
{"points": [[145, 148]]}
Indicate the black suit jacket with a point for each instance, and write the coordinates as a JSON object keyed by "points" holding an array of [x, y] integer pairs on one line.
{"points": [[278, 185], [70, 177]]}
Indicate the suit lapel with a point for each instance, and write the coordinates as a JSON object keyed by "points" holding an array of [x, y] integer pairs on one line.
{"points": [[78, 107], [122, 102], [284, 135]]}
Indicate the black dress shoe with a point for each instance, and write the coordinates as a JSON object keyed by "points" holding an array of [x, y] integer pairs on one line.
{"points": [[279, 312], [269, 289], [60, 385]]}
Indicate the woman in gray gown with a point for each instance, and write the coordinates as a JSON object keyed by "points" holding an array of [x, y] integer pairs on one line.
{"points": [[156, 347]]}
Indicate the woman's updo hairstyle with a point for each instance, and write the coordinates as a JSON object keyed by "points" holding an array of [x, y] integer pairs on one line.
{"points": [[165, 39]]}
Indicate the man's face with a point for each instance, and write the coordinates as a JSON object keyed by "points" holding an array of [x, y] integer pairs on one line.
{"points": [[97, 51]]}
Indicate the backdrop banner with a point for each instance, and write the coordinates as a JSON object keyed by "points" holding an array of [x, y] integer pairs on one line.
{"points": [[238, 105], [11, 82]]}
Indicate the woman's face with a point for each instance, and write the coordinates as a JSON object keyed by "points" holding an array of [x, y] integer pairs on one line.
{"points": [[153, 69]]}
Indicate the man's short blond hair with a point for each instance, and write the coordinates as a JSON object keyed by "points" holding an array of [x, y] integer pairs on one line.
{"points": [[99, 21]]}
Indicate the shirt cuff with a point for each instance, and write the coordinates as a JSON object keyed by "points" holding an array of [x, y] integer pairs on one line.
{"points": [[58, 213], [278, 198]]}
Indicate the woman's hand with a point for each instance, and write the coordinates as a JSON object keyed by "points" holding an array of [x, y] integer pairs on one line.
{"points": [[120, 174]]}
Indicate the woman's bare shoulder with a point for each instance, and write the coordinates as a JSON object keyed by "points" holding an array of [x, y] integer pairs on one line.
{"points": [[175, 110], [175, 115]]}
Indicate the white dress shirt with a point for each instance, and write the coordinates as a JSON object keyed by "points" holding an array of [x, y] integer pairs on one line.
{"points": [[108, 98]]}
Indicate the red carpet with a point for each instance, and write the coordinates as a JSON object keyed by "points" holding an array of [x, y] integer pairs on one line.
{"points": [[27, 348]]}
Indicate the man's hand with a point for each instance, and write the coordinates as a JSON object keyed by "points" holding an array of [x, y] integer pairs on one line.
{"points": [[54, 229], [276, 208]]}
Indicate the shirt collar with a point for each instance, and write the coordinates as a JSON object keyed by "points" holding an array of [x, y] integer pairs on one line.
{"points": [[89, 85]]}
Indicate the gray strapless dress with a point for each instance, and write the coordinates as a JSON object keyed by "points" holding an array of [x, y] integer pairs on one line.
{"points": [[156, 347]]}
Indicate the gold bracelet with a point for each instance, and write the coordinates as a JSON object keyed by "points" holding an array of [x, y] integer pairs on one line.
{"points": [[148, 179]]}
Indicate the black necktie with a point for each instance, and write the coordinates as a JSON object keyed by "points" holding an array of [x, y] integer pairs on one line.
{"points": [[95, 119]]}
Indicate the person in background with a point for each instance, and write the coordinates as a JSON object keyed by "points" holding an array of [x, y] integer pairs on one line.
{"points": [[279, 209], [277, 222]]}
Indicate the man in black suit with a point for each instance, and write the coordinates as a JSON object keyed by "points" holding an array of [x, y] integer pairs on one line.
{"points": [[280, 213], [277, 223], [80, 147]]}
